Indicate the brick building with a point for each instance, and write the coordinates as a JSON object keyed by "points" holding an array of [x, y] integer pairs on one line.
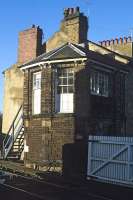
{"points": [[71, 87]]}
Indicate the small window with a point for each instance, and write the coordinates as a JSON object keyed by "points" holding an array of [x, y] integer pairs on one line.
{"points": [[99, 83], [36, 80], [36, 94]]}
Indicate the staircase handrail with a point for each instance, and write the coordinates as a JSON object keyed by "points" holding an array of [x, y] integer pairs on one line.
{"points": [[9, 138], [7, 135]]}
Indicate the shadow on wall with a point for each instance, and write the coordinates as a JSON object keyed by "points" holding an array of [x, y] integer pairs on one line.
{"points": [[75, 160], [89, 111], [75, 154]]}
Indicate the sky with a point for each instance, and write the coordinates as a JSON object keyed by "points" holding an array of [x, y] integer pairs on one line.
{"points": [[107, 19]]}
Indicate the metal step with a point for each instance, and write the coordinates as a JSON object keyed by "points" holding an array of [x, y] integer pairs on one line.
{"points": [[14, 140]]}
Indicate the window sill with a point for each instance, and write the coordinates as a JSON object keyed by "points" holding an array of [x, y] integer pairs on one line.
{"points": [[59, 114], [49, 115]]}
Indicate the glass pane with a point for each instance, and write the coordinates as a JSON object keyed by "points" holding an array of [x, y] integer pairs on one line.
{"points": [[64, 81], [70, 81], [64, 72], [70, 74], [70, 89], [99, 83], [59, 72], [64, 89], [37, 80]]}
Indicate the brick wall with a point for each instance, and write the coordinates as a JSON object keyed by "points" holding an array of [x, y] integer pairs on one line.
{"points": [[47, 132], [30, 44], [74, 29]]}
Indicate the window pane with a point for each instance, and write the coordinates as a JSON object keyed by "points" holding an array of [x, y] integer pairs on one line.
{"points": [[99, 83], [59, 72], [70, 74], [70, 81], [64, 82], [37, 80], [70, 89], [64, 89], [64, 97], [64, 73]]}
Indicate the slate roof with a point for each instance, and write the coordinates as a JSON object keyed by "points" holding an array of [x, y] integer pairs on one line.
{"points": [[67, 50], [73, 51]]}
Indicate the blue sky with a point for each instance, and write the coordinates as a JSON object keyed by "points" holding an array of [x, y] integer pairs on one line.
{"points": [[107, 19]]}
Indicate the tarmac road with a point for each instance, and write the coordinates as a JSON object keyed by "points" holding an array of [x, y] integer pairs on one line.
{"points": [[21, 188], [8, 192]]}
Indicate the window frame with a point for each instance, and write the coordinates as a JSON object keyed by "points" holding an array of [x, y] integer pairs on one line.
{"points": [[97, 79], [64, 95], [34, 89]]}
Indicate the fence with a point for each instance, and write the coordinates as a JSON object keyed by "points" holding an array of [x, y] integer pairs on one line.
{"points": [[110, 159]]}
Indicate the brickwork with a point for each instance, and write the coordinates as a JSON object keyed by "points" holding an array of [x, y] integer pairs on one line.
{"points": [[46, 137], [47, 133], [129, 103], [30, 44], [120, 45], [74, 28]]}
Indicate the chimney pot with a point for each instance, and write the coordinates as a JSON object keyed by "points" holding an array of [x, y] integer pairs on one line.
{"points": [[70, 11], [129, 39], [108, 42], [125, 40], [121, 40], [66, 10], [116, 40], [77, 9], [104, 43], [33, 26], [111, 41], [100, 43]]}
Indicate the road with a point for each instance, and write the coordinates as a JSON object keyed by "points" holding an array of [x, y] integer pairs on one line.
{"points": [[27, 188]]}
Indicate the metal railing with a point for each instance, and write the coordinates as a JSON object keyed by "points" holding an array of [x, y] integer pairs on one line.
{"points": [[14, 130]]}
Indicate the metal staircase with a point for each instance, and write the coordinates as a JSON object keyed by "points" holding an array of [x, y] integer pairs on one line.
{"points": [[13, 144]]}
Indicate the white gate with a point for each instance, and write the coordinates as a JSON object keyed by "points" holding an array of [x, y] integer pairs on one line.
{"points": [[110, 159]]}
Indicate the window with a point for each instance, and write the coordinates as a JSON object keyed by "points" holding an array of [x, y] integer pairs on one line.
{"points": [[99, 83], [36, 98], [65, 87]]}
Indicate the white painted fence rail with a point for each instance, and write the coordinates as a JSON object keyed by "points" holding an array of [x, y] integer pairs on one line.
{"points": [[110, 159]]}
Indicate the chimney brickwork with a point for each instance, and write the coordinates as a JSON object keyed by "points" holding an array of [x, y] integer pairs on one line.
{"points": [[75, 25], [30, 44]]}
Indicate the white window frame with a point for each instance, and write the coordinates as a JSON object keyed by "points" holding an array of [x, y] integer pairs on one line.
{"points": [[36, 92], [65, 90], [99, 83]]}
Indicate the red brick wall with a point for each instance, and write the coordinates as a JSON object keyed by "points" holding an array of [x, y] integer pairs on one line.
{"points": [[30, 44]]}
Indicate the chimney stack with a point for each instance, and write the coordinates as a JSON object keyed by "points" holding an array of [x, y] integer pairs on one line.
{"points": [[75, 25], [30, 44]]}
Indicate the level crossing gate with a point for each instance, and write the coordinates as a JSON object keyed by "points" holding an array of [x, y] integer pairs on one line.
{"points": [[110, 159]]}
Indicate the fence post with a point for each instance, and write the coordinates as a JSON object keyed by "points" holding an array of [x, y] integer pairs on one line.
{"points": [[129, 159], [89, 155]]}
